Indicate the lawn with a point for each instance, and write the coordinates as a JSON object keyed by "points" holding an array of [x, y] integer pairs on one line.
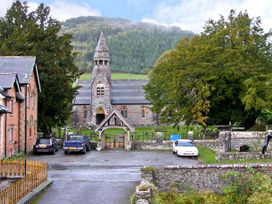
{"points": [[117, 76], [208, 156]]}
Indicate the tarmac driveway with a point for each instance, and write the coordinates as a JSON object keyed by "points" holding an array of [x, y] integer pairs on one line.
{"points": [[106, 177]]}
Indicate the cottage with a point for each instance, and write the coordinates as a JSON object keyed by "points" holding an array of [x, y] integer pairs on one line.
{"points": [[21, 123]]}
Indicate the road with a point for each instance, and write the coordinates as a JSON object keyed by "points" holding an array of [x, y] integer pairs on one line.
{"points": [[106, 177]]}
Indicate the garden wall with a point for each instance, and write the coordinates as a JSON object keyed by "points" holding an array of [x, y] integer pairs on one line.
{"points": [[253, 139], [199, 177], [242, 155]]}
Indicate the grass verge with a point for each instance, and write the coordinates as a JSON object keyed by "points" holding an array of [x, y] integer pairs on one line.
{"points": [[208, 156]]}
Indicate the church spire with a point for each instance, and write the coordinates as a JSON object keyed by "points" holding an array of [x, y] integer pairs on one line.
{"points": [[101, 54]]}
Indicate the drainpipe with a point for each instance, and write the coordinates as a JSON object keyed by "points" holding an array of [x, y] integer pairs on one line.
{"points": [[19, 126], [26, 99], [5, 136]]}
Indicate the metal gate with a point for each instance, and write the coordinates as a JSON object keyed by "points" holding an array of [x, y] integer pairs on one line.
{"points": [[114, 141]]}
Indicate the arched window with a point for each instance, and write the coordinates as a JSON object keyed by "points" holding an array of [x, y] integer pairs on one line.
{"points": [[143, 112], [85, 110], [124, 111], [100, 89]]}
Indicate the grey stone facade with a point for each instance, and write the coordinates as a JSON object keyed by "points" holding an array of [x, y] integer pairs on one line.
{"points": [[98, 97]]}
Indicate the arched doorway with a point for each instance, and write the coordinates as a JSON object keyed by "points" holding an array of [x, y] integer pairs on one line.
{"points": [[100, 115], [114, 120]]}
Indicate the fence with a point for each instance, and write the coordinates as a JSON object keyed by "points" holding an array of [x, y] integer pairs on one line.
{"points": [[31, 174]]}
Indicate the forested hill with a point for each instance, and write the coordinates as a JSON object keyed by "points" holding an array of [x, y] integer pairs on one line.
{"points": [[134, 47]]}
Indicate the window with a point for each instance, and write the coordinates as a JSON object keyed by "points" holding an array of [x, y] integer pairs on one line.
{"points": [[124, 111], [30, 126], [10, 131], [143, 112], [11, 106], [85, 110], [100, 89], [33, 100]]}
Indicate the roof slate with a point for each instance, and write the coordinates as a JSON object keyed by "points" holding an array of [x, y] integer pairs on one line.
{"points": [[7, 80], [122, 92]]}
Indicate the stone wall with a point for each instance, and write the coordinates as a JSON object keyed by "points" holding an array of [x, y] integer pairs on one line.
{"points": [[242, 155], [199, 177], [134, 114], [252, 139], [167, 145]]}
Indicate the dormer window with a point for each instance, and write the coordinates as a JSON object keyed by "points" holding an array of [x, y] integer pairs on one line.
{"points": [[100, 89]]}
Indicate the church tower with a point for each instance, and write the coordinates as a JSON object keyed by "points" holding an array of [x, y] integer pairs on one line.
{"points": [[101, 82]]}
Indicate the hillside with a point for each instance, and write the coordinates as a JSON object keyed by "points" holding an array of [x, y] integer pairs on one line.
{"points": [[134, 47]]}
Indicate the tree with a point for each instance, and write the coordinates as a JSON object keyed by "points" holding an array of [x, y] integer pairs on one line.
{"points": [[37, 34], [221, 75]]}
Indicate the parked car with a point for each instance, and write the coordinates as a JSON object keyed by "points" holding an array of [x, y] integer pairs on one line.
{"points": [[185, 147], [46, 144], [76, 143]]}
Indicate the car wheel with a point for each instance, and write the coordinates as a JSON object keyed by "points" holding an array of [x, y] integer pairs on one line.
{"points": [[84, 150], [174, 152]]}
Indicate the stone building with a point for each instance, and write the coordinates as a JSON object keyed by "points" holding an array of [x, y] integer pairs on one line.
{"points": [[98, 97]]}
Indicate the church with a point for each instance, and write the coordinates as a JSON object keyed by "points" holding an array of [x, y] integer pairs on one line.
{"points": [[99, 97]]}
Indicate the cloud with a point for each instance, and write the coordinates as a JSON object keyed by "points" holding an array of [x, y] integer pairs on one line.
{"points": [[193, 14], [60, 9]]}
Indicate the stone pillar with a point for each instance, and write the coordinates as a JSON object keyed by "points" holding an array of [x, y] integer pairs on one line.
{"points": [[224, 141], [128, 142]]}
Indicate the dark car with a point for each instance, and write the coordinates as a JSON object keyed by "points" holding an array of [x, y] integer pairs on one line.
{"points": [[46, 144], [76, 143]]}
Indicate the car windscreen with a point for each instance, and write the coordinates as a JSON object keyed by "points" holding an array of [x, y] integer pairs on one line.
{"points": [[185, 144], [75, 137], [43, 141]]}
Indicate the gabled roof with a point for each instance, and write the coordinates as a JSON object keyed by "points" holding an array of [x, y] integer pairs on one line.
{"points": [[118, 115], [3, 109], [8, 80], [24, 66]]}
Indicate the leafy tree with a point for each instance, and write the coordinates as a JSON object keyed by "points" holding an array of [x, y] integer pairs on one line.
{"points": [[37, 34], [221, 75]]}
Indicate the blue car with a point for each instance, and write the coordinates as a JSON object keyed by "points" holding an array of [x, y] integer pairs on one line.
{"points": [[76, 143]]}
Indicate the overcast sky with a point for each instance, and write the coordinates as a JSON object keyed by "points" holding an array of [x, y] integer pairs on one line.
{"points": [[187, 14]]}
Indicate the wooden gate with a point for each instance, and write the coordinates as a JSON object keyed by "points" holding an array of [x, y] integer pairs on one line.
{"points": [[114, 141]]}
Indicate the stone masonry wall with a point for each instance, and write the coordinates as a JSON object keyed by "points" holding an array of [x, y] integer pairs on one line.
{"points": [[200, 177], [242, 155], [252, 139]]}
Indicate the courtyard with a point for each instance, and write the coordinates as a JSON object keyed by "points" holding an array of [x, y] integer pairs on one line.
{"points": [[100, 177]]}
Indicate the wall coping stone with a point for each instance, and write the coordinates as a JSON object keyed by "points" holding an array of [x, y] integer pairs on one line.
{"points": [[222, 166]]}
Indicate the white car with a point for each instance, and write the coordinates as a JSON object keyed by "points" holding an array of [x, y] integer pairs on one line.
{"points": [[185, 147]]}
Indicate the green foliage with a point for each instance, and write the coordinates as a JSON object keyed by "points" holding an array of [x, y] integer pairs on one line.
{"points": [[19, 155], [190, 198], [148, 169], [134, 47], [223, 74], [248, 187], [208, 156], [37, 34]]}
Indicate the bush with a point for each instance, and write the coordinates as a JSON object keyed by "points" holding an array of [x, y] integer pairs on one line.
{"points": [[248, 187]]}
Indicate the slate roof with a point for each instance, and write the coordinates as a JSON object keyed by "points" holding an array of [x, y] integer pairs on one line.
{"points": [[84, 93], [123, 92], [128, 92], [22, 65], [7, 80]]}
